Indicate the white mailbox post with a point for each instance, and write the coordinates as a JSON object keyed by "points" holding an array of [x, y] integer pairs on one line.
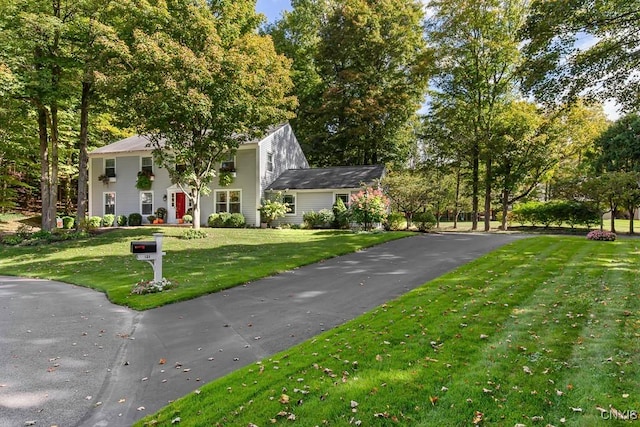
{"points": [[152, 253]]}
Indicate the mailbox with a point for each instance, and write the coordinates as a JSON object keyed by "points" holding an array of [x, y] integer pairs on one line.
{"points": [[143, 247]]}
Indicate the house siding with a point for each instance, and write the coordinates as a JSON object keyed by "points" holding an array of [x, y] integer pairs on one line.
{"points": [[311, 201]]}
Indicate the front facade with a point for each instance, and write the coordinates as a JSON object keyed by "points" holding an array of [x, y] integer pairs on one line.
{"points": [[113, 172]]}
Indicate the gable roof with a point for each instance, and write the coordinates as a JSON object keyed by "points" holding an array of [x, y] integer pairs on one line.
{"points": [[327, 178], [143, 143]]}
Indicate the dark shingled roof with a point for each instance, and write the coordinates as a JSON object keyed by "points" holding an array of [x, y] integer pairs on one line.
{"points": [[327, 178]]}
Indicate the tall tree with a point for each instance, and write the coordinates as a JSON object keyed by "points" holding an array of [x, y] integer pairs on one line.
{"points": [[369, 67], [579, 47], [477, 54], [618, 148], [198, 86]]}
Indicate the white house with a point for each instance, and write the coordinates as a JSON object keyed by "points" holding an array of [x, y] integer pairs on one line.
{"points": [[273, 163]]}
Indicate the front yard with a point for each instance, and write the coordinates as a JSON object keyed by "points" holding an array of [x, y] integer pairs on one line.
{"points": [[227, 258]]}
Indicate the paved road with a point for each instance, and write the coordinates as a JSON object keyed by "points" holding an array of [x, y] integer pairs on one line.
{"points": [[69, 357]]}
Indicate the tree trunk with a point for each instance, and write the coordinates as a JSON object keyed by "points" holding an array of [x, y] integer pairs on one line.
{"points": [[475, 186], [487, 196], [632, 214], [43, 136], [83, 160], [505, 209], [614, 211], [195, 200], [456, 205], [53, 191]]}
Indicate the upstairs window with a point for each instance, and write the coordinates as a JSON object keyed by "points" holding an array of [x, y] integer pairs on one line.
{"points": [[110, 168], [270, 162], [146, 165], [228, 164]]}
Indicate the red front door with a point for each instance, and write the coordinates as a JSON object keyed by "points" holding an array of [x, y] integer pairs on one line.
{"points": [[180, 205]]}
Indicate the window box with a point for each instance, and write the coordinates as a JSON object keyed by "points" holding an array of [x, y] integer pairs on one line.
{"points": [[112, 179]]}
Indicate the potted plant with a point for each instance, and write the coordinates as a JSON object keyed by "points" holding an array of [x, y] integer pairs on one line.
{"points": [[225, 178], [104, 178], [161, 213], [144, 180]]}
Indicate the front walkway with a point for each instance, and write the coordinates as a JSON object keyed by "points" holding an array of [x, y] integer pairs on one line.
{"points": [[72, 358]]}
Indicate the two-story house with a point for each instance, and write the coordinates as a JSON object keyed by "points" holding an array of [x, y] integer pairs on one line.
{"points": [[274, 163]]}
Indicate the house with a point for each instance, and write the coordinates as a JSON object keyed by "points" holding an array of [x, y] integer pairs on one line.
{"points": [[274, 163]]}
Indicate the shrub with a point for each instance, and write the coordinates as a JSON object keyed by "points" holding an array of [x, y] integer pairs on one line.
{"points": [[320, 219], [270, 210], [161, 213], [12, 240], [556, 212], [187, 218], [340, 215], [424, 220], [395, 221], [121, 220], [368, 207], [107, 220], [235, 220], [191, 234], [218, 220], [151, 287], [603, 235], [24, 231], [68, 222], [94, 221], [135, 219], [151, 218]]}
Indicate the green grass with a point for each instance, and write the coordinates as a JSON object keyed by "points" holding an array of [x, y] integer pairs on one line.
{"points": [[228, 257], [543, 331]]}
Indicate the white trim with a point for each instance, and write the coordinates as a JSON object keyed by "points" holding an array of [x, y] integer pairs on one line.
{"points": [[348, 193], [152, 163], [215, 198], [295, 202], [115, 166], [104, 202], [140, 202]]}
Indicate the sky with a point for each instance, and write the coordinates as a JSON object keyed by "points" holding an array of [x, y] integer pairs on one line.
{"points": [[272, 8]]}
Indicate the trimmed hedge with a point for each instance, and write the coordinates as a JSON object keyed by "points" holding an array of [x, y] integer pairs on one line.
{"points": [[556, 212], [135, 219], [226, 220]]}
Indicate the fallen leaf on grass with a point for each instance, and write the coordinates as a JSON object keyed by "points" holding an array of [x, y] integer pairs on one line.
{"points": [[433, 400], [477, 417], [284, 399]]}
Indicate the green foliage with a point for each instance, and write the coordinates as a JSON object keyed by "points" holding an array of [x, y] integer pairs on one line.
{"points": [[556, 212], [424, 220], [135, 219], [108, 219], [192, 234], [161, 213], [321, 219], [340, 215], [273, 209], [68, 222], [12, 240], [187, 218], [225, 179], [226, 220], [410, 191], [94, 222], [143, 182], [356, 101], [556, 69], [121, 220], [618, 148], [368, 207], [395, 221]]}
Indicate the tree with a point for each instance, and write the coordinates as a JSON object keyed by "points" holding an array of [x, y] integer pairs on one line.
{"points": [[613, 189], [198, 86], [369, 67], [522, 153], [476, 44], [618, 148], [583, 47], [408, 191]]}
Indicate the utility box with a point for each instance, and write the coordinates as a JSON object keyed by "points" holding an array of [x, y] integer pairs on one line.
{"points": [[142, 247]]}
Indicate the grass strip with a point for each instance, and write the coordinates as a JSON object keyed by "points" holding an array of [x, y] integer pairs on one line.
{"points": [[226, 258], [542, 331]]}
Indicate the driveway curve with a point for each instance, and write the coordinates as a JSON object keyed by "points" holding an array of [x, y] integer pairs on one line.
{"points": [[71, 358]]}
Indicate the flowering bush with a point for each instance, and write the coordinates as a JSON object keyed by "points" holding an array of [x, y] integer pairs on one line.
{"points": [[601, 235], [152, 287], [368, 207]]}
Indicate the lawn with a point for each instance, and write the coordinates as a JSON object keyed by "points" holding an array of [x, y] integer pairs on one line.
{"points": [[544, 331], [227, 258]]}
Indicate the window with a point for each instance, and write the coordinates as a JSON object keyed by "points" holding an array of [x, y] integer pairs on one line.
{"points": [[109, 203], [146, 165], [110, 168], [146, 202], [228, 164], [344, 197], [290, 199], [228, 201], [270, 162]]}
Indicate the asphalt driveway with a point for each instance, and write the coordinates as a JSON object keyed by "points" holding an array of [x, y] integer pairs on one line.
{"points": [[71, 358]]}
